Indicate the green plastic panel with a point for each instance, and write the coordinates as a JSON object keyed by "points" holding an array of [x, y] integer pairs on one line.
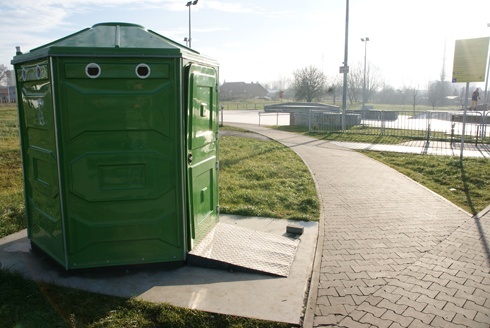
{"points": [[39, 154], [121, 160], [202, 147]]}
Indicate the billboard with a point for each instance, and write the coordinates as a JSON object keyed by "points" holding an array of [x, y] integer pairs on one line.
{"points": [[470, 60]]}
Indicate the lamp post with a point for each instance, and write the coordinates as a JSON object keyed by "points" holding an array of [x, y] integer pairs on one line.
{"points": [[365, 40], [189, 4]]}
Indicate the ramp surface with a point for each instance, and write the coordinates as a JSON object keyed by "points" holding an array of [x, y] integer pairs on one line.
{"points": [[228, 245]]}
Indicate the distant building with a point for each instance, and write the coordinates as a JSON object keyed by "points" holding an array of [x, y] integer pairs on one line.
{"points": [[7, 94], [241, 90]]}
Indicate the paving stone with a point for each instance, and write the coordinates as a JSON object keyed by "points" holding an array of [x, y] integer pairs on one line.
{"points": [[327, 320], [424, 317], [387, 295], [331, 291], [479, 308], [446, 315], [428, 292], [453, 277], [397, 308], [366, 291], [322, 300], [353, 283], [444, 289], [341, 300], [376, 311], [419, 306], [349, 323], [431, 278], [419, 324], [349, 291], [404, 321], [483, 317], [359, 299], [336, 310], [375, 321], [374, 300], [407, 294], [440, 322], [455, 300], [467, 289], [461, 319], [402, 284], [470, 314], [356, 314], [470, 297], [436, 303], [358, 275], [482, 293], [374, 282]]}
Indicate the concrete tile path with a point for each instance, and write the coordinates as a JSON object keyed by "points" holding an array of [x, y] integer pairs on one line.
{"points": [[390, 252]]}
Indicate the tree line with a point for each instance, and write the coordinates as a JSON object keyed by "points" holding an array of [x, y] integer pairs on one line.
{"points": [[311, 84]]}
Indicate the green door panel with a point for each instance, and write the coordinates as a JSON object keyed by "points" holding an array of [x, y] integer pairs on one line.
{"points": [[202, 149], [121, 163], [39, 158]]}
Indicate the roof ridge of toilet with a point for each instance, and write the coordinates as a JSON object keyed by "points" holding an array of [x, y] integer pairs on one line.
{"points": [[110, 39]]}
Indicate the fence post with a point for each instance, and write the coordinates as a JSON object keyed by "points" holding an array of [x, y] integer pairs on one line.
{"points": [[429, 118], [309, 120], [382, 116]]}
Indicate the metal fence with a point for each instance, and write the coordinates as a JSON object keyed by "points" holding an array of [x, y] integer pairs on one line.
{"points": [[429, 125]]}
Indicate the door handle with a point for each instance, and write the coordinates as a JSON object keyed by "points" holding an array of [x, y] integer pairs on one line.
{"points": [[189, 158]]}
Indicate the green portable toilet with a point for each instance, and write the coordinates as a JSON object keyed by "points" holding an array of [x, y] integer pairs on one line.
{"points": [[118, 128]]}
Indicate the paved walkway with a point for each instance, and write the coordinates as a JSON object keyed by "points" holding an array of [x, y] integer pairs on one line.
{"points": [[390, 253], [440, 148]]}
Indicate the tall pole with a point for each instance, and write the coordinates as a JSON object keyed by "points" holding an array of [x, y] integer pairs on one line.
{"points": [[464, 121], [344, 93], [486, 80], [189, 4], [365, 40]]}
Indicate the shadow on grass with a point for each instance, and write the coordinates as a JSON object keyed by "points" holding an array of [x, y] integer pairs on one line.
{"points": [[476, 216]]}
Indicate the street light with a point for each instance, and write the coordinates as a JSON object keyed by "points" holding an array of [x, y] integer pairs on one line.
{"points": [[365, 40], [189, 4]]}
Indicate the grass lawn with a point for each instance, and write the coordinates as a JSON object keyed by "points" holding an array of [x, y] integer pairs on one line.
{"points": [[265, 178], [26, 304], [466, 185]]}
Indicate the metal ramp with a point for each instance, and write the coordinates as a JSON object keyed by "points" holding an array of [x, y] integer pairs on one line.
{"points": [[231, 247]]}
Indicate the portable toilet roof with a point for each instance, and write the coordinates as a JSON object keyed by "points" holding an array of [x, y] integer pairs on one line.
{"points": [[113, 39]]}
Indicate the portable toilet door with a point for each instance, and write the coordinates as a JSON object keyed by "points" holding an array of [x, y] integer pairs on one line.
{"points": [[202, 150]]}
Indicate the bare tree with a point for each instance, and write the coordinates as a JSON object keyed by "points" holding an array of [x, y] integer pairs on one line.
{"points": [[433, 94], [335, 89], [4, 74], [413, 94], [309, 84], [356, 82]]}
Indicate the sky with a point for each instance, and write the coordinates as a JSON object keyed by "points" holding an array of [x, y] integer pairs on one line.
{"points": [[267, 41]]}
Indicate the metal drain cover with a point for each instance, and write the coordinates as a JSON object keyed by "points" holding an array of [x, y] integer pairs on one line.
{"points": [[228, 244]]}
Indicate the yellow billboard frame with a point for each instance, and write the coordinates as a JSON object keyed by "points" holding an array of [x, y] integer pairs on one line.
{"points": [[470, 60]]}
